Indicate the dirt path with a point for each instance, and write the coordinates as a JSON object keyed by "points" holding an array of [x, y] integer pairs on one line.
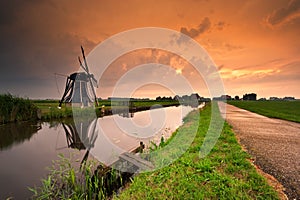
{"points": [[273, 143]]}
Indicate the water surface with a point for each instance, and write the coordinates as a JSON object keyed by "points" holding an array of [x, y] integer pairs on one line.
{"points": [[27, 150]]}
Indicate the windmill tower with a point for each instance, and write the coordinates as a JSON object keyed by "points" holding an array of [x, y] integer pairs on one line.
{"points": [[80, 86]]}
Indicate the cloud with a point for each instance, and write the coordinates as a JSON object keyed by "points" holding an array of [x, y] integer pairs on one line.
{"points": [[232, 47], [203, 27], [277, 70], [131, 60], [284, 15], [33, 49], [220, 25]]}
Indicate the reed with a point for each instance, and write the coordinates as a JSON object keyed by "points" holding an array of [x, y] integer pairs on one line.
{"points": [[14, 109], [67, 180]]}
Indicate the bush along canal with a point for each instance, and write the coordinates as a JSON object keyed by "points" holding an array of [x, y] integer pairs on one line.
{"points": [[13, 109], [226, 173]]}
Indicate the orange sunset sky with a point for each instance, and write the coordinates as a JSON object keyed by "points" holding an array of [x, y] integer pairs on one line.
{"points": [[255, 44]]}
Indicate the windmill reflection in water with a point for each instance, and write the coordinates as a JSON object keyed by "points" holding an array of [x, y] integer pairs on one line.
{"points": [[82, 136]]}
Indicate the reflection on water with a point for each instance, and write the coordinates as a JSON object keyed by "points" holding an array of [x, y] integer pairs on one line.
{"points": [[15, 133], [26, 149], [24, 164], [83, 137]]}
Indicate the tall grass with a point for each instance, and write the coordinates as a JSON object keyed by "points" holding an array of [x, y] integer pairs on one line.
{"points": [[14, 109], [69, 181]]}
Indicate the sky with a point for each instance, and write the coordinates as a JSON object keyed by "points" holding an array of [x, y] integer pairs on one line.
{"points": [[254, 44]]}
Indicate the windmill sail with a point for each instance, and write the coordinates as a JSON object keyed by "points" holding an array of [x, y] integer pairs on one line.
{"points": [[90, 76]]}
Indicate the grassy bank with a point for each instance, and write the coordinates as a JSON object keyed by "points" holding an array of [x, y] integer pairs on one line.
{"points": [[14, 109], [225, 173], [49, 108], [288, 110]]}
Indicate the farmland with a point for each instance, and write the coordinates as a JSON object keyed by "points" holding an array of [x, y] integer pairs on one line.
{"points": [[287, 110]]}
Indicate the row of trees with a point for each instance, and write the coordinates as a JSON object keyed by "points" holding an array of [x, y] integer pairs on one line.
{"points": [[179, 98], [184, 98]]}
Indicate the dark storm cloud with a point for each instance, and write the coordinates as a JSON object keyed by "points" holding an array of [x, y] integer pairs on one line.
{"points": [[7, 15], [34, 48], [195, 32], [291, 11]]}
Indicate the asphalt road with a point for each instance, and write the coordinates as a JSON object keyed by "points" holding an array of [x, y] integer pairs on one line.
{"points": [[274, 144]]}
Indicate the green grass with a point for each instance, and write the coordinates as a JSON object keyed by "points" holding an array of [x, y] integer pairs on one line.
{"points": [[14, 109], [225, 173], [287, 110], [49, 108]]}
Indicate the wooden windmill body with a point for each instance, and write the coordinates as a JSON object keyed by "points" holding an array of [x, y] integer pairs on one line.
{"points": [[79, 88]]}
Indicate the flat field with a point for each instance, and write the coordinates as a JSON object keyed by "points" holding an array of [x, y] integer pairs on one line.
{"points": [[49, 108], [287, 110]]}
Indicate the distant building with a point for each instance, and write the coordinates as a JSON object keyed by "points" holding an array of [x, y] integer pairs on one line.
{"points": [[226, 97], [176, 98], [249, 97]]}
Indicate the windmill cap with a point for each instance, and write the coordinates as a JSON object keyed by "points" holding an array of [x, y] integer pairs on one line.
{"points": [[79, 76]]}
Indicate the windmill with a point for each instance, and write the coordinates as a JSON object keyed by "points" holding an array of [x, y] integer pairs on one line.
{"points": [[80, 86]]}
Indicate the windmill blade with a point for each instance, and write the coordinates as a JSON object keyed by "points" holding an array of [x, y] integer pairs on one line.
{"points": [[94, 81], [93, 90], [86, 68], [60, 148], [84, 60], [81, 65], [58, 74]]}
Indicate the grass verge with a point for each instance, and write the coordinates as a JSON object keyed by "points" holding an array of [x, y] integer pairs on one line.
{"points": [[226, 173], [287, 110]]}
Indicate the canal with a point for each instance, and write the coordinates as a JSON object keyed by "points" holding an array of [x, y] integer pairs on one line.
{"points": [[27, 150]]}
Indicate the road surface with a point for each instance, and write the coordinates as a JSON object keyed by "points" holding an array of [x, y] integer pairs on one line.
{"points": [[274, 144]]}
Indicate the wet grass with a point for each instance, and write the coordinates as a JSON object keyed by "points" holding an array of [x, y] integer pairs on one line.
{"points": [[13, 109], [287, 110], [226, 173]]}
